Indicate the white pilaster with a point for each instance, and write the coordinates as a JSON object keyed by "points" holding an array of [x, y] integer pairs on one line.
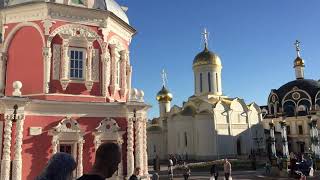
{"points": [[55, 144], [145, 153], [3, 62], [80, 158], [65, 64], [89, 82], [105, 58], [114, 58], [46, 51], [123, 57], [130, 157], [5, 163], [17, 161]]}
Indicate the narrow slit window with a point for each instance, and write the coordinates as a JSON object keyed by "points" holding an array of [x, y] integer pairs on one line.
{"points": [[209, 81], [200, 82]]}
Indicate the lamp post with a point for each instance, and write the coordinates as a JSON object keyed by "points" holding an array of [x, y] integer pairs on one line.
{"points": [[273, 144], [258, 140], [285, 149], [314, 135]]}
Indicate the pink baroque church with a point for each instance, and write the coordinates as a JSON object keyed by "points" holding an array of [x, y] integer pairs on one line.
{"points": [[65, 86]]}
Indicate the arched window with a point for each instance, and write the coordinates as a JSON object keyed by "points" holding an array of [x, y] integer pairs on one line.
{"points": [[118, 73], [302, 110], [289, 108], [200, 82], [209, 81]]}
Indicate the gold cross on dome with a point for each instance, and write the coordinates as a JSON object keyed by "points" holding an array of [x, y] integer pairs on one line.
{"points": [[205, 37], [297, 44], [164, 78]]}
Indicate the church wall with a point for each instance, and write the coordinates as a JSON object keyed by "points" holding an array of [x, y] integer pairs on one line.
{"points": [[180, 125], [155, 145], [37, 149], [205, 141], [25, 66]]}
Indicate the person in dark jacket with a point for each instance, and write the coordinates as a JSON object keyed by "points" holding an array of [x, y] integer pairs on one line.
{"points": [[214, 171], [135, 175], [59, 167], [108, 157]]}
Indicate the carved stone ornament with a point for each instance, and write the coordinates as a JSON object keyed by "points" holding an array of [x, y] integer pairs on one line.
{"points": [[89, 85], [47, 24], [108, 125], [67, 125], [64, 83]]}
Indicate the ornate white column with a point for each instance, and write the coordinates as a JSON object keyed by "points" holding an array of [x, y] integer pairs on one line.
{"points": [[114, 58], [3, 62], [55, 144], [89, 82], [105, 58], [130, 157], [120, 166], [5, 163], [145, 153], [65, 64], [46, 52], [80, 154], [138, 144], [123, 57], [17, 160]]}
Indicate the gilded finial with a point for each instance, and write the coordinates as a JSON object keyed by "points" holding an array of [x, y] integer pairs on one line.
{"points": [[164, 78], [205, 38], [297, 44]]}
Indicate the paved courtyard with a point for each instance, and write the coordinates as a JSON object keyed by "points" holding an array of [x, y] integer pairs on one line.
{"points": [[236, 175]]}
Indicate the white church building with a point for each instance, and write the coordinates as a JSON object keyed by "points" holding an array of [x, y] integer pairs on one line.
{"points": [[209, 125]]}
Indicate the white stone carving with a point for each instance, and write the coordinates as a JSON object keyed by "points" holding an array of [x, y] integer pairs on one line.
{"points": [[69, 130], [123, 69], [114, 58], [138, 145], [80, 159], [47, 61], [56, 61], [109, 130], [17, 85], [136, 95], [89, 82], [47, 24], [65, 64], [17, 161], [95, 65], [5, 163], [67, 125], [76, 30], [105, 58], [130, 157]]}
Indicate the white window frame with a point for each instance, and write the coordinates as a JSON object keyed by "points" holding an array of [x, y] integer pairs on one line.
{"points": [[84, 66]]}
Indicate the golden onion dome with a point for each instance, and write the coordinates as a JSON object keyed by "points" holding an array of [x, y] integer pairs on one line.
{"points": [[164, 95], [207, 57], [298, 62]]}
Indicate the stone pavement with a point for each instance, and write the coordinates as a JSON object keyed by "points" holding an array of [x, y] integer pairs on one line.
{"points": [[236, 175]]}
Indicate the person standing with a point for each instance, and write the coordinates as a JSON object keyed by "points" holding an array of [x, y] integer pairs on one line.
{"points": [[214, 171], [227, 169], [186, 172], [59, 167], [135, 175], [155, 176], [108, 157]]}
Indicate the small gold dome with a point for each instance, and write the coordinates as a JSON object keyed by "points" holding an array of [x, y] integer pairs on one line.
{"points": [[164, 95], [298, 62], [207, 57]]}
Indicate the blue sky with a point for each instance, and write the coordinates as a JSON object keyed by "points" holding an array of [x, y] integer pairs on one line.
{"points": [[254, 39]]}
